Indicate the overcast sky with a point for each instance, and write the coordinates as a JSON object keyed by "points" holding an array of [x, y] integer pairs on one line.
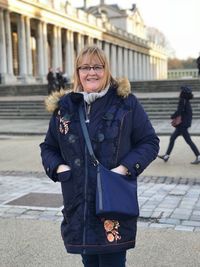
{"points": [[178, 20]]}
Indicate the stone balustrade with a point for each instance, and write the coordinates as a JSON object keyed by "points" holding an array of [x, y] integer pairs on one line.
{"points": [[182, 73]]}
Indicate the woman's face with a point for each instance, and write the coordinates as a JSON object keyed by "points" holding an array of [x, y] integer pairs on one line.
{"points": [[91, 74]]}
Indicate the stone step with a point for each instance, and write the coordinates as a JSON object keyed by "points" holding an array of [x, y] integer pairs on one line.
{"points": [[137, 86], [156, 108], [164, 85]]}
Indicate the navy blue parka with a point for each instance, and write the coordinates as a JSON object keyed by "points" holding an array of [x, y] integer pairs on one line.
{"points": [[121, 133]]}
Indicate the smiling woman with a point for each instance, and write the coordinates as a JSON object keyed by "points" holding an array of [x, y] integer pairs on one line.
{"points": [[92, 72], [123, 141], [91, 77]]}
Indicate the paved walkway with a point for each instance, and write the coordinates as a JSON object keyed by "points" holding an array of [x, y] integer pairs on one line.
{"points": [[164, 202], [168, 227], [39, 127], [30, 204]]}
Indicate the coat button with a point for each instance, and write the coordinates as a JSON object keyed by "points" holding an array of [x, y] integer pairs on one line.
{"points": [[108, 116], [100, 137], [137, 166], [72, 138], [77, 162]]}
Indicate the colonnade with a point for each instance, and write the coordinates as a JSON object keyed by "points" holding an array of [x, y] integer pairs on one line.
{"points": [[30, 45]]}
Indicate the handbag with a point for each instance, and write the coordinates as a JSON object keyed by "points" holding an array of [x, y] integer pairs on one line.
{"points": [[176, 121], [116, 194]]}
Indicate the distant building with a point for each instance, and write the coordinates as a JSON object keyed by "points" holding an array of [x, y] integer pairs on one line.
{"points": [[128, 20], [38, 34]]}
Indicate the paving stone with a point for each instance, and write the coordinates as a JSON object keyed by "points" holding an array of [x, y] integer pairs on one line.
{"points": [[170, 221], [195, 218], [160, 225], [180, 216], [184, 228], [191, 223]]}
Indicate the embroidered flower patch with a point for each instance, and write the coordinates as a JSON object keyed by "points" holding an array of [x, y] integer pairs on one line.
{"points": [[64, 124], [111, 228]]}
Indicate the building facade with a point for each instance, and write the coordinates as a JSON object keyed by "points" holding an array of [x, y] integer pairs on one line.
{"points": [[38, 34]]}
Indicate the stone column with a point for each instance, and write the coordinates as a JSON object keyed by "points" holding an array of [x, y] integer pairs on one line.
{"points": [[120, 62], [125, 69], [80, 43], [22, 46], [54, 49], [113, 60], [144, 67], [8, 43], [148, 68], [107, 51], [69, 52], [154, 69], [139, 66], [135, 64], [28, 47], [157, 68], [59, 40], [151, 67], [45, 44], [90, 40], [130, 65], [99, 43], [40, 50], [3, 63]]}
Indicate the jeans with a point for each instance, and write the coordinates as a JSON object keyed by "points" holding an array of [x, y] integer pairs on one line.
{"points": [[105, 260], [186, 136]]}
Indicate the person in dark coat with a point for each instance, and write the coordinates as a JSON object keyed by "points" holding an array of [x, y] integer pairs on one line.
{"points": [[198, 64], [51, 81], [184, 112], [123, 140], [59, 79]]}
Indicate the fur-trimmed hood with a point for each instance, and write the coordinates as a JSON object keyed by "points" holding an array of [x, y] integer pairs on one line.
{"points": [[51, 102]]}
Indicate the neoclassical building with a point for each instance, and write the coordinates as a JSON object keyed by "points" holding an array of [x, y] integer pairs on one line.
{"points": [[38, 34]]}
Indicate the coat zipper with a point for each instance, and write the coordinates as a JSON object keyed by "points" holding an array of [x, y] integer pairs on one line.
{"points": [[87, 112], [85, 199]]}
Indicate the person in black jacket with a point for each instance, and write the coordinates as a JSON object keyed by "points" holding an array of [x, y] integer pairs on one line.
{"points": [[198, 64], [51, 81], [184, 118]]}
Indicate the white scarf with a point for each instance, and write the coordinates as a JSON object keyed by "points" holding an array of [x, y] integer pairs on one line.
{"points": [[91, 97]]}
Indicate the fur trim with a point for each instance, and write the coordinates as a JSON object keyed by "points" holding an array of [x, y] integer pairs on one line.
{"points": [[124, 88], [51, 102]]}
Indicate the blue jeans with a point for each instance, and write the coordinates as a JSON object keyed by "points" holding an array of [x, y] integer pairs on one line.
{"points": [[105, 260]]}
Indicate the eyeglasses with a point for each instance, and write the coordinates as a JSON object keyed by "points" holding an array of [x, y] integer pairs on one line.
{"points": [[86, 68]]}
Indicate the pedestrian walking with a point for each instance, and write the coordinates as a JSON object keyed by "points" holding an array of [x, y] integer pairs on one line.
{"points": [[198, 64], [182, 120], [123, 140]]}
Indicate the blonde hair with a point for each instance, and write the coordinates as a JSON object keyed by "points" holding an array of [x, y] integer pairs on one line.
{"points": [[92, 52]]}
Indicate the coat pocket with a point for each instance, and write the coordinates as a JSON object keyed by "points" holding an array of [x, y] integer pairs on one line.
{"points": [[67, 186]]}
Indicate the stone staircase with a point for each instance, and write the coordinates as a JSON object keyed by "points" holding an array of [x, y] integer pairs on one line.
{"points": [[162, 108], [164, 85], [156, 108], [28, 103], [23, 109]]}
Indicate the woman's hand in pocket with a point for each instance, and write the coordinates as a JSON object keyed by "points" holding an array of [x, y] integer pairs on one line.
{"points": [[120, 169], [63, 168]]}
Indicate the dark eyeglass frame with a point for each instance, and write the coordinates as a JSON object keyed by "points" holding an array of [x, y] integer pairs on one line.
{"points": [[87, 68]]}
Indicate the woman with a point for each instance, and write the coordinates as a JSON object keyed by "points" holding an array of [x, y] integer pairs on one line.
{"points": [[123, 140], [184, 112]]}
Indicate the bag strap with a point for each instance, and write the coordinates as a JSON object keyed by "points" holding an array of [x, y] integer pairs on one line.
{"points": [[86, 135]]}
